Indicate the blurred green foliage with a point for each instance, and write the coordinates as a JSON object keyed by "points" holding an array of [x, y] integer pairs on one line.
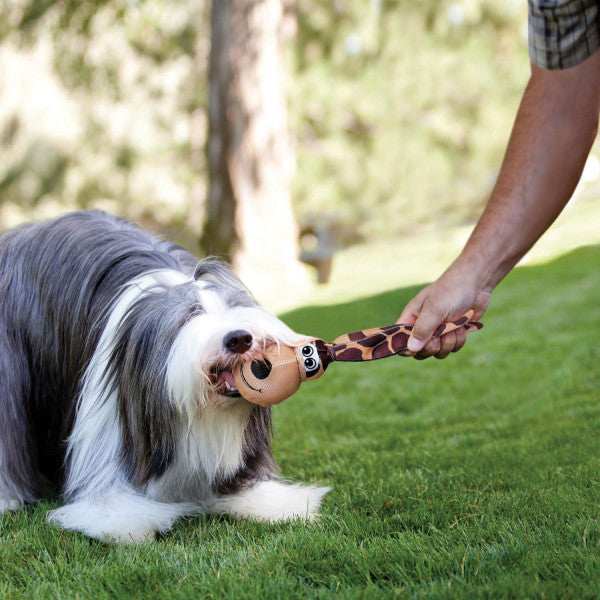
{"points": [[103, 106], [400, 110]]}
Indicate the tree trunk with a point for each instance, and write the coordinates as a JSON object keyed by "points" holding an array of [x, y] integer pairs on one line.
{"points": [[249, 210]]}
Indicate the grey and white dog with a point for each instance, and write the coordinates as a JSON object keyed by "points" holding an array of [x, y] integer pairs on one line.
{"points": [[116, 351]]}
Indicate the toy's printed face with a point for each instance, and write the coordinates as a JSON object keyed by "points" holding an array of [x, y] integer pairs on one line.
{"points": [[311, 362], [261, 369], [270, 380], [279, 373]]}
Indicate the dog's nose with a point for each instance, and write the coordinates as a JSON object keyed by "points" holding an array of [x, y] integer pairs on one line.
{"points": [[238, 341]]}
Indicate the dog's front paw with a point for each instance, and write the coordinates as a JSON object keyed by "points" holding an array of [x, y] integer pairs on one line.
{"points": [[9, 504], [273, 501], [95, 523], [119, 517]]}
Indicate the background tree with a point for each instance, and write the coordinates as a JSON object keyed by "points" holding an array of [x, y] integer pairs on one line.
{"points": [[399, 111], [249, 214]]}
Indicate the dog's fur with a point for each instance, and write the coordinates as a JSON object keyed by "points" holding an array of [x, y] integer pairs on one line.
{"points": [[112, 383]]}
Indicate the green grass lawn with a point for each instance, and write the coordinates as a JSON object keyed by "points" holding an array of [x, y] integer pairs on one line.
{"points": [[474, 477]]}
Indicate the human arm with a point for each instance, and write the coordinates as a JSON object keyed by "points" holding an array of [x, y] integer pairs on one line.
{"points": [[553, 132]]}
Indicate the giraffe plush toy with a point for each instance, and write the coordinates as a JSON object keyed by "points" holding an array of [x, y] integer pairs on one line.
{"points": [[281, 370]]}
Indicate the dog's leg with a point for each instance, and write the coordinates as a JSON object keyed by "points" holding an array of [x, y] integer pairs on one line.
{"points": [[121, 516], [272, 501], [17, 475]]}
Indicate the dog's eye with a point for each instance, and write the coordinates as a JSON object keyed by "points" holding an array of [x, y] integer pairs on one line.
{"points": [[261, 369], [307, 350]]}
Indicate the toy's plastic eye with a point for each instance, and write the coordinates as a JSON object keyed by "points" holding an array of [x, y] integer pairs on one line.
{"points": [[307, 350], [261, 369], [310, 363]]}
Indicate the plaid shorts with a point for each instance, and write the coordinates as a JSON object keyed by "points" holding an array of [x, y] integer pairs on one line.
{"points": [[562, 33]]}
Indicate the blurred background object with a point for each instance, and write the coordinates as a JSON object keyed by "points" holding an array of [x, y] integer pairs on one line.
{"points": [[385, 119], [249, 214]]}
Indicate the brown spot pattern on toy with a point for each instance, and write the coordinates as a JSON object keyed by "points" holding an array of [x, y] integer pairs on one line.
{"points": [[380, 342]]}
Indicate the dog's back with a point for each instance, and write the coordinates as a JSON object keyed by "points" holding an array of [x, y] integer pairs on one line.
{"points": [[57, 279]]}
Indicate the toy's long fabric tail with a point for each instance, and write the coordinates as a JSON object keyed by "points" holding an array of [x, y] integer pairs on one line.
{"points": [[380, 342]]}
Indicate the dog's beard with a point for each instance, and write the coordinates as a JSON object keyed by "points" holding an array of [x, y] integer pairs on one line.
{"points": [[171, 374]]}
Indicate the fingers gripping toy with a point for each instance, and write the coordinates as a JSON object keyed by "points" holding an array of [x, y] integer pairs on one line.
{"points": [[281, 370]]}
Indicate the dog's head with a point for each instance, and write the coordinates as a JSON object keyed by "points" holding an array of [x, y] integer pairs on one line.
{"points": [[224, 328]]}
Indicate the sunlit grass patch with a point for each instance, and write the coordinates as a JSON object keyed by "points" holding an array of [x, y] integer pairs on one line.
{"points": [[473, 477]]}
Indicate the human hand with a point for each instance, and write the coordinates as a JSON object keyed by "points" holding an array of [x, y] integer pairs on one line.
{"points": [[452, 295]]}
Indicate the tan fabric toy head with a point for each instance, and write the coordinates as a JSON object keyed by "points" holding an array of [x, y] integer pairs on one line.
{"points": [[279, 373]]}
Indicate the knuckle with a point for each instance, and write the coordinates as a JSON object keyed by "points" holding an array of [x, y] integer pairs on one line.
{"points": [[433, 346], [448, 341]]}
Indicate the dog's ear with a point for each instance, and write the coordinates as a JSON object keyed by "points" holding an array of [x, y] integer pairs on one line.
{"points": [[217, 272]]}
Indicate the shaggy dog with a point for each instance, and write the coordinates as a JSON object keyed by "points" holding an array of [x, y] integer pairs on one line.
{"points": [[116, 352]]}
